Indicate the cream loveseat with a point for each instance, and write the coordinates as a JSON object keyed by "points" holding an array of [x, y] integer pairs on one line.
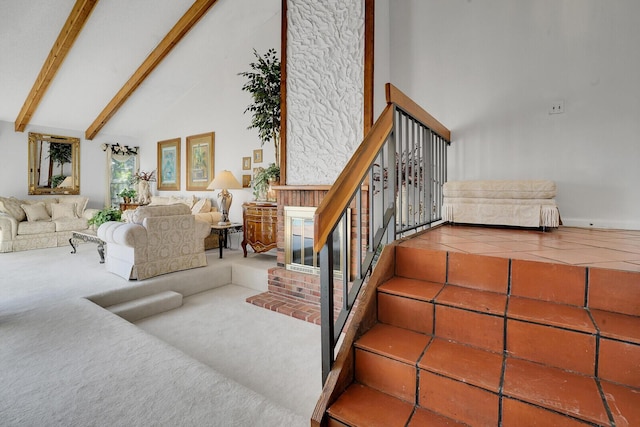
{"points": [[201, 208], [157, 240], [521, 203], [42, 223]]}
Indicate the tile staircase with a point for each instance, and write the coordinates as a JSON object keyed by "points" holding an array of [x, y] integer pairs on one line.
{"points": [[464, 339]]}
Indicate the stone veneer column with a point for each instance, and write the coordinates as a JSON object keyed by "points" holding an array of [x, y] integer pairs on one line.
{"points": [[325, 81]]}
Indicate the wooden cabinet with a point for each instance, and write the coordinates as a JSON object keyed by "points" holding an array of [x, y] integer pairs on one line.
{"points": [[260, 226]]}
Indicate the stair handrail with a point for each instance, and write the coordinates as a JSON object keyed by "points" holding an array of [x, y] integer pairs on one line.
{"points": [[378, 144], [340, 194]]}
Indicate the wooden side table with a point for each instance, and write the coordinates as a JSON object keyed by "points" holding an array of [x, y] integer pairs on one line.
{"points": [[260, 222]]}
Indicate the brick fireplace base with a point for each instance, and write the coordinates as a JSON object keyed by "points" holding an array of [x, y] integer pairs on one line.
{"points": [[288, 306]]}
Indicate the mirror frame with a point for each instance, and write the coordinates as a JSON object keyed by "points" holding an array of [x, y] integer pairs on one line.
{"points": [[35, 144]]}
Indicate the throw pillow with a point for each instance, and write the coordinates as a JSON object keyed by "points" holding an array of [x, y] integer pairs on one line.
{"points": [[11, 206], [202, 206], [80, 201], [63, 210], [36, 212]]}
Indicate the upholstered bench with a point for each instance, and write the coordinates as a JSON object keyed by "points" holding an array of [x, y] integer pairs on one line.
{"points": [[521, 203]]}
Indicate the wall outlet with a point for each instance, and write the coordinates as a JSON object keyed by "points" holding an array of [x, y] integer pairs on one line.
{"points": [[557, 107]]}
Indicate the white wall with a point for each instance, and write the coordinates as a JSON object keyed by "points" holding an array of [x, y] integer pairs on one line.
{"points": [[217, 103], [490, 70], [14, 161]]}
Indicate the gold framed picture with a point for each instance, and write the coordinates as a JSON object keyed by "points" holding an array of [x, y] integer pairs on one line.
{"points": [[246, 181], [257, 156], [169, 165], [200, 161], [246, 163]]}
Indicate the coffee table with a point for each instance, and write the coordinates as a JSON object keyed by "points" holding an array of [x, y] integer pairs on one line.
{"points": [[223, 233], [87, 236]]}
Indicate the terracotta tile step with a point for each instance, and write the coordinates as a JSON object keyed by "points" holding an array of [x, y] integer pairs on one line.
{"points": [[393, 342], [363, 406], [463, 363], [555, 389], [386, 358], [422, 417], [410, 304]]}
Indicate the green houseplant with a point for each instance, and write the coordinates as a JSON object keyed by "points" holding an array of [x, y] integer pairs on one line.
{"points": [[263, 178], [105, 215], [263, 83]]}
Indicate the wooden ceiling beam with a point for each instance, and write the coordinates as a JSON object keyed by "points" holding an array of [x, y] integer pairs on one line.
{"points": [[68, 35], [182, 27]]}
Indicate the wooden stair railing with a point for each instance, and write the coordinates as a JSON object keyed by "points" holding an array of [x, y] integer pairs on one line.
{"points": [[405, 148]]}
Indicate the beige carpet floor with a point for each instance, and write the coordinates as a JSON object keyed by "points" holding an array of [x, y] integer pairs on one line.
{"points": [[216, 361]]}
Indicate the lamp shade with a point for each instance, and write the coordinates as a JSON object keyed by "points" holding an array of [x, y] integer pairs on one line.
{"points": [[223, 181]]}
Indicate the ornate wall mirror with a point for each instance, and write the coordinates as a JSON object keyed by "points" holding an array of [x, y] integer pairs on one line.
{"points": [[54, 164]]}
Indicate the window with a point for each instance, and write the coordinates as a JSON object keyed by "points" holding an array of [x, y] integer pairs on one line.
{"points": [[122, 164]]}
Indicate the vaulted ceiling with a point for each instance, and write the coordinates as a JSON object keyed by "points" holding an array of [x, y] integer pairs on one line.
{"points": [[107, 56]]}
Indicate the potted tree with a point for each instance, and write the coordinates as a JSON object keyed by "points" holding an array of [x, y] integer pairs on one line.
{"points": [[263, 83]]}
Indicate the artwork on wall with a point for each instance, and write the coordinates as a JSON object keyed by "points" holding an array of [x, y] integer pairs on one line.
{"points": [[246, 181], [246, 163], [257, 156], [169, 165], [200, 161]]}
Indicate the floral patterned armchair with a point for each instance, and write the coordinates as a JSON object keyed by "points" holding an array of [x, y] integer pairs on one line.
{"points": [[157, 240]]}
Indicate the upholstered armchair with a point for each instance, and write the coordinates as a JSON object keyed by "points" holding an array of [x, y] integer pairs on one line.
{"points": [[157, 240]]}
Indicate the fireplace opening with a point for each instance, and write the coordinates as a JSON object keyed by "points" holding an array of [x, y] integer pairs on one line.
{"points": [[298, 242]]}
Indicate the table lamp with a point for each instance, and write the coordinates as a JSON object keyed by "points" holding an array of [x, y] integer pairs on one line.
{"points": [[224, 181]]}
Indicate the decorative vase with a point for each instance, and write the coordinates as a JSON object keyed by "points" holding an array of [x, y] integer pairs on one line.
{"points": [[144, 192], [271, 193]]}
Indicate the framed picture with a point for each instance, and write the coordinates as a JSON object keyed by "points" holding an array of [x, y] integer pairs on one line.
{"points": [[169, 165], [200, 161], [257, 156], [246, 163], [246, 181]]}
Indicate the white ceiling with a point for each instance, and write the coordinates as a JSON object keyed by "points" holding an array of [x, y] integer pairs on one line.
{"points": [[115, 40]]}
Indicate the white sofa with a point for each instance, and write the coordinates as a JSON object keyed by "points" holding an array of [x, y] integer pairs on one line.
{"points": [[41, 223], [157, 240], [521, 203]]}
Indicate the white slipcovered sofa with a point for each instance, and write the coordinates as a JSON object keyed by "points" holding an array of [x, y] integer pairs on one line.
{"points": [[521, 203], [41, 223], [157, 240]]}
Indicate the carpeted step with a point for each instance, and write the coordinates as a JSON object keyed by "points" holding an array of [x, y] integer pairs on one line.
{"points": [[140, 308]]}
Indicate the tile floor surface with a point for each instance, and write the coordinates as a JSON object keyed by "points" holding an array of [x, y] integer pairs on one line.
{"points": [[614, 249]]}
